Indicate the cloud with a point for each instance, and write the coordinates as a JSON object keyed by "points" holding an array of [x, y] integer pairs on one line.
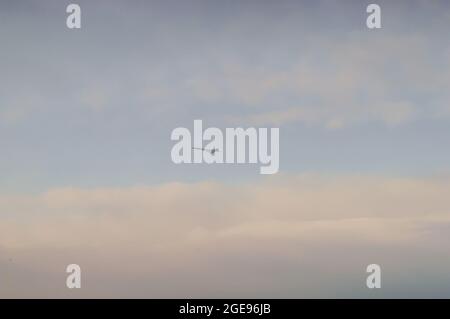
{"points": [[359, 78], [213, 239], [326, 79]]}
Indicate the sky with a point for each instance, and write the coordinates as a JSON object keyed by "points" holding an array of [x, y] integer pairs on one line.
{"points": [[86, 175]]}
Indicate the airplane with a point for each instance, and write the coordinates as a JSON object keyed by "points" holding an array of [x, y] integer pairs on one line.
{"points": [[212, 151]]}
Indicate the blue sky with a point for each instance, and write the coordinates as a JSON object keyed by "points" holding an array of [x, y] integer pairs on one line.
{"points": [[364, 115], [96, 107]]}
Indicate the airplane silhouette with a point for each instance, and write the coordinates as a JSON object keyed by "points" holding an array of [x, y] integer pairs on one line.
{"points": [[213, 151]]}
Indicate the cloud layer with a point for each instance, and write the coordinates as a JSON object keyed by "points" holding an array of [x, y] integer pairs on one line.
{"points": [[302, 236]]}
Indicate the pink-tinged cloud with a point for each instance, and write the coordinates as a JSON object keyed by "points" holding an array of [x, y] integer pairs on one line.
{"points": [[301, 236]]}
